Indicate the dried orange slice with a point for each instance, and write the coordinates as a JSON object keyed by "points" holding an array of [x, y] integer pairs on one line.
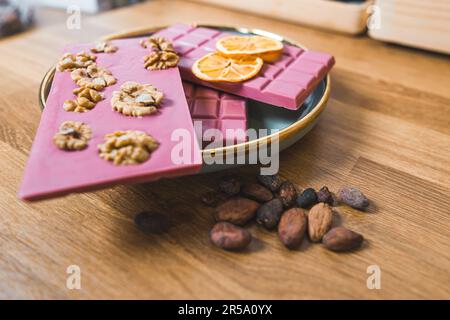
{"points": [[215, 67], [266, 48]]}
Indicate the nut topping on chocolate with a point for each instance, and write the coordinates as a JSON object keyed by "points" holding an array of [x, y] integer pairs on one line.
{"points": [[127, 147], [104, 47], [85, 101], [135, 99], [162, 56], [72, 135], [70, 61], [93, 77], [160, 60], [157, 44]]}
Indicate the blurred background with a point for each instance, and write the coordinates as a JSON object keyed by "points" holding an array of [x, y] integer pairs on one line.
{"points": [[18, 15], [416, 23]]}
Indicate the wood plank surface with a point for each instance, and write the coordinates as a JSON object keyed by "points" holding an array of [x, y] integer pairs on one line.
{"points": [[386, 130]]}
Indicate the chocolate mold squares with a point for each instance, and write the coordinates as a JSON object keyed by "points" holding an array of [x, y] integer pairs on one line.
{"points": [[217, 110], [286, 82], [51, 171]]}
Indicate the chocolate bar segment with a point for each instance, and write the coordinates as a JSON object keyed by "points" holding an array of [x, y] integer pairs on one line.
{"points": [[51, 171], [217, 110], [284, 83]]}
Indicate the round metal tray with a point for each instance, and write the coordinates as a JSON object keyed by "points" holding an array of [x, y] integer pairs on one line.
{"points": [[292, 125]]}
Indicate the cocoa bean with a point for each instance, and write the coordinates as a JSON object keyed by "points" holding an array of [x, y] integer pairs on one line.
{"points": [[257, 192], [230, 237], [230, 186], [269, 213], [342, 239], [236, 210], [271, 182], [213, 198], [320, 218], [307, 198], [152, 222], [353, 197], [287, 194], [324, 195], [292, 227]]}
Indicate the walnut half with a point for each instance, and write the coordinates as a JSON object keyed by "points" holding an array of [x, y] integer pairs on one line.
{"points": [[72, 135], [70, 61], [135, 99], [162, 56], [104, 47], [157, 44], [86, 100], [127, 147], [93, 77], [160, 60]]}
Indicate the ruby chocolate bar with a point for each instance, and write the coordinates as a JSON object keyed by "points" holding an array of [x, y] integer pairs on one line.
{"points": [[284, 83], [217, 110], [116, 127]]}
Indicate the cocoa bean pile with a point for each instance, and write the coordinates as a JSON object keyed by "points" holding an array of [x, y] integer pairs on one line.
{"points": [[277, 204]]}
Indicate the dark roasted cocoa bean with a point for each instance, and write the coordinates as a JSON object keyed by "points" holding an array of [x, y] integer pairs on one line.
{"points": [[257, 192], [287, 194], [292, 227], [230, 186], [307, 198], [271, 182], [151, 222], [213, 198], [236, 210], [324, 195], [230, 237], [269, 213], [353, 197], [342, 239]]}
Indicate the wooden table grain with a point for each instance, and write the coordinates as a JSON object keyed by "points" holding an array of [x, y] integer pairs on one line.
{"points": [[386, 129]]}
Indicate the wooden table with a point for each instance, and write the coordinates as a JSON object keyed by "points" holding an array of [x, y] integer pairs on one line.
{"points": [[386, 130]]}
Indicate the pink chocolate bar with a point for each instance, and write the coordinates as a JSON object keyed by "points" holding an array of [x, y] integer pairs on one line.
{"points": [[51, 171], [217, 110], [284, 83]]}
